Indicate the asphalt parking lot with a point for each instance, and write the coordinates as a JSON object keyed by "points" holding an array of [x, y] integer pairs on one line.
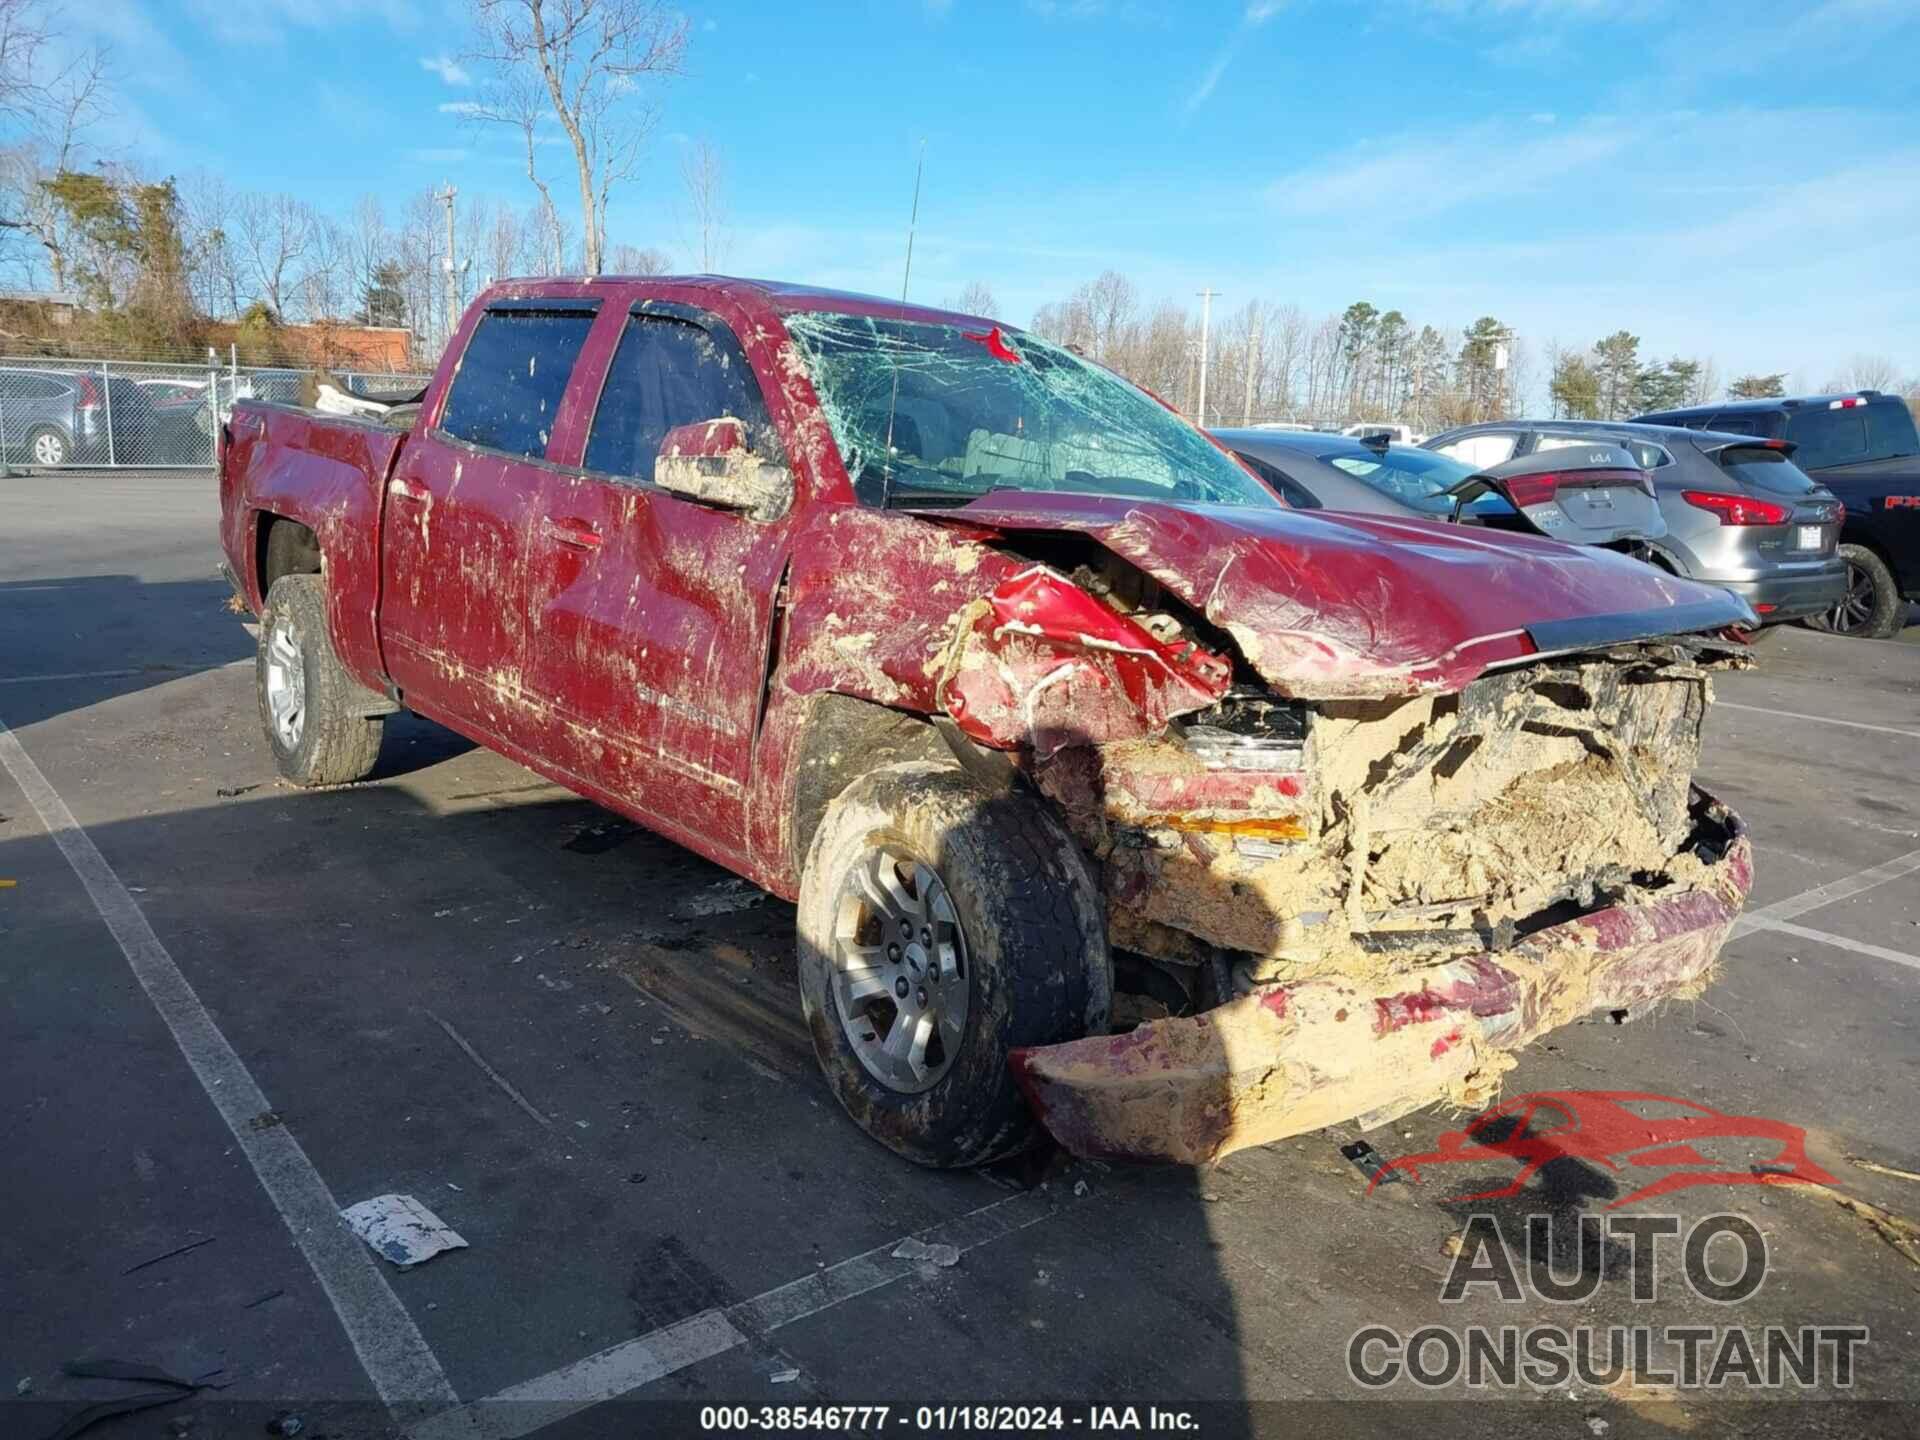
{"points": [[228, 1009]]}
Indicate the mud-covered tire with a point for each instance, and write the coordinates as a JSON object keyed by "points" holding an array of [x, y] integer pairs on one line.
{"points": [[336, 737], [1873, 609], [1034, 927]]}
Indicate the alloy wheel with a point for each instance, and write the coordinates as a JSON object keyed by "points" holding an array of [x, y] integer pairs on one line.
{"points": [[286, 683], [900, 984]]}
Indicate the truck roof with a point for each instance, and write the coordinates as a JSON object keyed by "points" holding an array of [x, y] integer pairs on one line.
{"points": [[786, 297]]}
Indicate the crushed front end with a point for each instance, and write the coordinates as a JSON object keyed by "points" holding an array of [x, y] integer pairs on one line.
{"points": [[1350, 908]]}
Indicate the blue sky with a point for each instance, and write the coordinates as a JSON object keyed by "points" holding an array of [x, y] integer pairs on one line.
{"points": [[1740, 180]]}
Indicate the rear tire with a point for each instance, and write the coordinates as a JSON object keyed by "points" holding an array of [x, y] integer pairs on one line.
{"points": [[48, 448], [1014, 939], [316, 716], [1872, 609]]}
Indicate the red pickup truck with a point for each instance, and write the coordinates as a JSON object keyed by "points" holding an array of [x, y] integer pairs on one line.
{"points": [[1116, 797]]}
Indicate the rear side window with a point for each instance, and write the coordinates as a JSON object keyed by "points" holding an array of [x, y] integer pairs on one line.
{"points": [[1646, 454], [511, 378], [670, 372], [1294, 494], [1765, 469], [1879, 430], [1480, 451]]}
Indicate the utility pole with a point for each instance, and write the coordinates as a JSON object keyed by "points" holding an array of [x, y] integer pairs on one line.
{"points": [[453, 280], [1256, 358], [1206, 316]]}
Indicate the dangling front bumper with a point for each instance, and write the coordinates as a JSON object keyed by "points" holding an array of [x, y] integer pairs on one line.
{"points": [[1290, 1058]]}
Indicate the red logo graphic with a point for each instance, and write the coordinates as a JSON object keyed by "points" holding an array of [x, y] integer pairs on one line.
{"points": [[996, 345], [1617, 1130]]}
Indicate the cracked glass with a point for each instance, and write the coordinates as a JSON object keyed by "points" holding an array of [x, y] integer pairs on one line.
{"points": [[934, 415]]}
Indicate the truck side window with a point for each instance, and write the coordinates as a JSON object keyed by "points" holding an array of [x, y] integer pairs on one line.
{"points": [[511, 378], [670, 372]]}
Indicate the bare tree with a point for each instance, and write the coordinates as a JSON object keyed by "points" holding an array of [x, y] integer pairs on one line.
{"points": [[55, 111], [592, 59], [1867, 372], [705, 176], [976, 298], [369, 245], [639, 260], [327, 276], [274, 231], [207, 224]]}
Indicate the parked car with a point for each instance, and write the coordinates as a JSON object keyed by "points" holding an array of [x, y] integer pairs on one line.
{"points": [[1397, 433], [50, 417], [997, 667], [1863, 447], [1594, 495], [1737, 514]]}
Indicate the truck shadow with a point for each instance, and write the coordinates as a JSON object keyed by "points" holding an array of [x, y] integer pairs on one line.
{"points": [[107, 635]]}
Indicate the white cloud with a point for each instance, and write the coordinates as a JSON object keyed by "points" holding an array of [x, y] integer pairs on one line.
{"points": [[1430, 174], [1203, 92], [1257, 13], [447, 68]]}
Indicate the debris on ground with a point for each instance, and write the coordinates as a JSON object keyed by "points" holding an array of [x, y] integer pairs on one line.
{"points": [[169, 1254], [1079, 1187], [1372, 1163], [270, 1295], [783, 1377], [225, 793], [944, 1256], [23, 1386], [722, 899], [1902, 1234], [286, 1423], [1879, 1169], [91, 1415], [401, 1229]]}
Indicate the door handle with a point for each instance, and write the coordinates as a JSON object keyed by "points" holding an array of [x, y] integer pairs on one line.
{"points": [[576, 534]]}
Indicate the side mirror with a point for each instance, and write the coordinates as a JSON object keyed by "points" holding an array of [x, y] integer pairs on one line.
{"points": [[711, 462]]}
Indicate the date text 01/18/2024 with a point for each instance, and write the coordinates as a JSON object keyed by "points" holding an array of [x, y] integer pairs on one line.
{"points": [[946, 1419]]}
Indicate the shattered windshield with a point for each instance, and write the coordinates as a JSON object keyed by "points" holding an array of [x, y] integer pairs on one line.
{"points": [[929, 414]]}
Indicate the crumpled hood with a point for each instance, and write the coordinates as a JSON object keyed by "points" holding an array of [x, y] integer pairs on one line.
{"points": [[1329, 605]]}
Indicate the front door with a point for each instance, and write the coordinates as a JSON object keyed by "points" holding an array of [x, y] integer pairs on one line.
{"points": [[459, 507], [652, 614]]}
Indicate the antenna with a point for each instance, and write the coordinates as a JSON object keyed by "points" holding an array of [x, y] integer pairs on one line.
{"points": [[913, 224]]}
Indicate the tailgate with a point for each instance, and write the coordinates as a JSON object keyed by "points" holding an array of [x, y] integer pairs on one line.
{"points": [[1594, 508]]}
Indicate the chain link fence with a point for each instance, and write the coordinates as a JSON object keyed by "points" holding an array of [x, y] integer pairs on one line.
{"points": [[127, 414]]}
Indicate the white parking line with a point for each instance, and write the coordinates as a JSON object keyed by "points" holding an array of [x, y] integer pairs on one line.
{"points": [[71, 675], [1841, 942], [1817, 719], [404, 1371], [624, 1368], [1843, 889], [170, 674]]}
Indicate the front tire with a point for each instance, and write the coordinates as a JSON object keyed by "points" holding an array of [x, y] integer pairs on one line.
{"points": [[1872, 609], [942, 927], [316, 716]]}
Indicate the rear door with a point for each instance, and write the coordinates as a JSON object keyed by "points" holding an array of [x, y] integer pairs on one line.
{"points": [[459, 507], [653, 614]]}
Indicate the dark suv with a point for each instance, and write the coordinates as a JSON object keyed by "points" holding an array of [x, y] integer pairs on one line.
{"points": [[1864, 448]]}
